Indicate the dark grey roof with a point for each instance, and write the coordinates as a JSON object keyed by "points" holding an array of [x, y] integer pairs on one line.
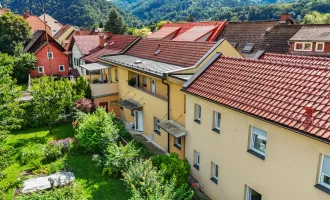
{"points": [[130, 104], [172, 128], [148, 66], [35, 38], [313, 33]]}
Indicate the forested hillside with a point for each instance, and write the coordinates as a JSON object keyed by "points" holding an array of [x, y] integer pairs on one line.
{"points": [[175, 10], [82, 13]]}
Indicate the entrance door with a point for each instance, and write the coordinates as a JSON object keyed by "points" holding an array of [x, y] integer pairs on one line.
{"points": [[153, 86], [138, 120], [104, 105]]}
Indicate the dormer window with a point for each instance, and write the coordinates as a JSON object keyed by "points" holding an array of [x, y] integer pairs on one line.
{"points": [[319, 46], [248, 48], [303, 46]]}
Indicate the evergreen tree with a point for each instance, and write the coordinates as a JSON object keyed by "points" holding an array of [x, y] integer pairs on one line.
{"points": [[190, 18], [115, 23], [101, 25]]}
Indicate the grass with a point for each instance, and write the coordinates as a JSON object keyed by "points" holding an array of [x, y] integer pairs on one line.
{"points": [[95, 185]]}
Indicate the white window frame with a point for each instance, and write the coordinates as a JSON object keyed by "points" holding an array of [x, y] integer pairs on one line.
{"points": [[50, 53], [252, 141], [43, 69], [214, 167], [59, 68], [317, 43], [249, 193], [215, 114], [321, 175], [198, 112], [197, 158], [176, 141], [303, 46]]}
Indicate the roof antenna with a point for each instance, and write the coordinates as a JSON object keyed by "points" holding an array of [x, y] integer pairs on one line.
{"points": [[48, 52]]}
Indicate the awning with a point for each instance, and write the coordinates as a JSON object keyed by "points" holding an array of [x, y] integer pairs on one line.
{"points": [[94, 66], [130, 104], [172, 128]]}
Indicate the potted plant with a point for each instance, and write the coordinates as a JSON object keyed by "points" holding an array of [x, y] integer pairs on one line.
{"points": [[132, 82]]}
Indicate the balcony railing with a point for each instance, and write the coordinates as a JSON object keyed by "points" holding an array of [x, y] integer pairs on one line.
{"points": [[102, 89], [147, 91]]}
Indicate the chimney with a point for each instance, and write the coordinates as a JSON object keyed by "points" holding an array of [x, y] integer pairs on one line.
{"points": [[101, 40], [309, 110], [285, 18], [27, 13]]}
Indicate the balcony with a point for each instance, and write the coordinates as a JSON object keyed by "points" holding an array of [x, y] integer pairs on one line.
{"points": [[103, 89], [141, 88]]}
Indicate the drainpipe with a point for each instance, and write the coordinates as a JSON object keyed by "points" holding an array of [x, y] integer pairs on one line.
{"points": [[168, 108]]}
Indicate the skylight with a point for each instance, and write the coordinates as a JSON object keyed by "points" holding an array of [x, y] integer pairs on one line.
{"points": [[248, 48], [157, 52], [234, 44], [112, 43], [138, 62]]}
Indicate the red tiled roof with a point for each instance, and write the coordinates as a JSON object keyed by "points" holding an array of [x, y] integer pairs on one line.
{"points": [[181, 53], [87, 44], [277, 92], [115, 44], [164, 32], [195, 33], [309, 60]]}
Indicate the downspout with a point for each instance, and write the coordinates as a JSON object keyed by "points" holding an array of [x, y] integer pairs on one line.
{"points": [[168, 108]]}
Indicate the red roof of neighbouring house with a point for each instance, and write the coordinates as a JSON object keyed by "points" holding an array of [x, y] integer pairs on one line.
{"points": [[116, 44], [280, 93], [87, 44], [190, 31], [309, 60], [182, 53]]}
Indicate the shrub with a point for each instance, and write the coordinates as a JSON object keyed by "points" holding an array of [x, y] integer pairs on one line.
{"points": [[173, 167], [146, 182], [56, 148], [84, 105], [71, 192], [144, 153], [31, 153], [96, 131], [132, 82], [53, 152], [118, 158], [81, 88]]}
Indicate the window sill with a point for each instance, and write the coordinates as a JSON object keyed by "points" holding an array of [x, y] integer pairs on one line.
{"points": [[214, 180], [322, 188], [157, 131], [197, 121], [216, 130], [196, 166], [177, 146], [262, 157]]}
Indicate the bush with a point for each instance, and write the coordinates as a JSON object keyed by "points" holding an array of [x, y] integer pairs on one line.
{"points": [[96, 131], [31, 153], [81, 88], [84, 105], [71, 192], [56, 148], [173, 167], [118, 158], [146, 182], [144, 153]]}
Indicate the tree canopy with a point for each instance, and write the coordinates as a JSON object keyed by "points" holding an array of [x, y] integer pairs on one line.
{"points": [[115, 23], [316, 18]]}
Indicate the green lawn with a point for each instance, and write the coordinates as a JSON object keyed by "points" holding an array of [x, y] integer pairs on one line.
{"points": [[94, 184]]}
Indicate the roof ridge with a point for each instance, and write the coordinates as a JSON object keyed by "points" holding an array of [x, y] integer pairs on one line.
{"points": [[297, 56], [253, 21]]}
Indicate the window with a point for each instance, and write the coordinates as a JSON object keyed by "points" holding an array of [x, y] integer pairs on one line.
{"points": [[144, 81], [116, 74], [197, 160], [114, 103], [248, 48], [252, 194], [54, 31], [178, 143], [324, 178], [156, 127], [50, 55], [258, 141], [76, 61], [234, 44], [217, 119], [215, 174], [41, 70], [61, 68], [198, 113], [319, 46], [303, 46]]}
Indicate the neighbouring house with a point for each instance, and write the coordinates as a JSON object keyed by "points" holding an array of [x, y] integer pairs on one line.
{"points": [[313, 40], [63, 34], [51, 22], [36, 23], [259, 129], [51, 57], [190, 31], [3, 10], [147, 79]]}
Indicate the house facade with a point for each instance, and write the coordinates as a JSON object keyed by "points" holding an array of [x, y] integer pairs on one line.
{"points": [[259, 129], [51, 57], [36, 23]]}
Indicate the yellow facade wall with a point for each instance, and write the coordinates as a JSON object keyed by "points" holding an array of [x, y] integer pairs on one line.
{"points": [[289, 171], [108, 99], [65, 35]]}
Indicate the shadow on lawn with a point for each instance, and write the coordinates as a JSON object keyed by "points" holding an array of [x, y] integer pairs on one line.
{"points": [[95, 185]]}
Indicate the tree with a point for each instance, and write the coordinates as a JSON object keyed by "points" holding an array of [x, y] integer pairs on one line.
{"points": [[101, 25], [143, 32], [315, 17], [190, 18], [10, 109], [51, 98], [13, 30], [160, 24], [81, 88], [115, 23]]}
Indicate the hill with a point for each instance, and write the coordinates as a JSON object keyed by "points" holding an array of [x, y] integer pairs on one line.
{"points": [[81, 13]]}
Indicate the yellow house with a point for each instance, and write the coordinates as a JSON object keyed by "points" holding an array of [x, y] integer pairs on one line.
{"points": [[63, 34], [150, 76], [259, 129]]}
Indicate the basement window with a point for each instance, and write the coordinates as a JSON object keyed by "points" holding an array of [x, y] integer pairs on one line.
{"points": [[248, 48]]}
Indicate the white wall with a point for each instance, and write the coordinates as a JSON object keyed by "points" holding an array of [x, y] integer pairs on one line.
{"points": [[76, 54]]}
